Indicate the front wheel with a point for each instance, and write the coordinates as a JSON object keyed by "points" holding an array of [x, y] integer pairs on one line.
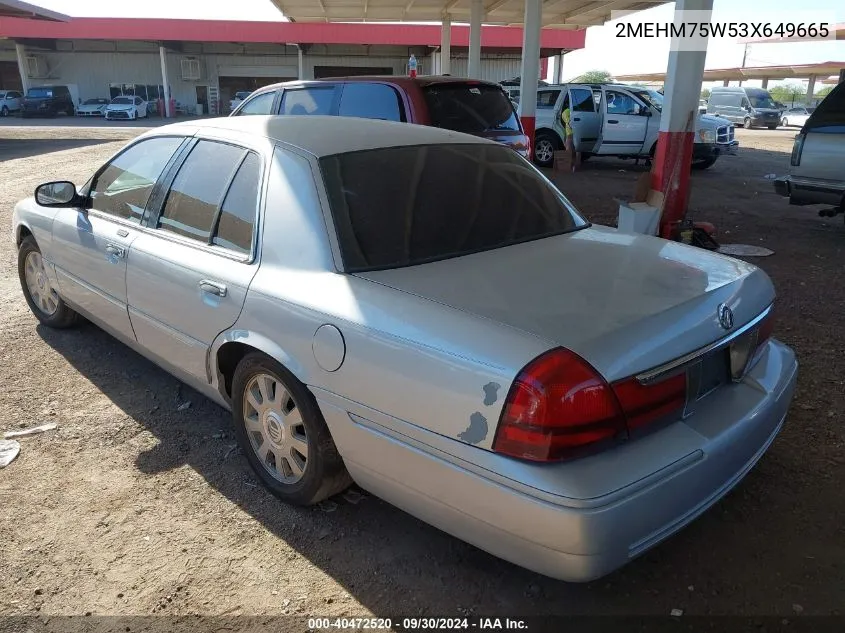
{"points": [[545, 146], [784, 122], [42, 297], [747, 123], [283, 434], [4, 111], [704, 164]]}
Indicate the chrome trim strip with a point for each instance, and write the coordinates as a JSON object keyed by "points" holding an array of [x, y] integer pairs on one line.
{"points": [[685, 361]]}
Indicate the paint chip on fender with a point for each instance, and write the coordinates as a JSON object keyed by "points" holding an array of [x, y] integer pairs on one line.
{"points": [[491, 393], [476, 431]]}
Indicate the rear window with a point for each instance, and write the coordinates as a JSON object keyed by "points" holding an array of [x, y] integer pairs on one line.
{"points": [[829, 115], [403, 206], [470, 108], [40, 92]]}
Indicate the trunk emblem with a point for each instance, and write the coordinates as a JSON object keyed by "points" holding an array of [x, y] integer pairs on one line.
{"points": [[726, 316]]}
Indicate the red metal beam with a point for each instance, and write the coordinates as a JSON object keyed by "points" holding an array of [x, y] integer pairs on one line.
{"points": [[279, 32]]}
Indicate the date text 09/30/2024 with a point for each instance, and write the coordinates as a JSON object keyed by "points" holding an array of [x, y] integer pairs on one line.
{"points": [[417, 624]]}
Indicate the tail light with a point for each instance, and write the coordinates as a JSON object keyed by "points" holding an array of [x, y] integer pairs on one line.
{"points": [[797, 149], [559, 405]]}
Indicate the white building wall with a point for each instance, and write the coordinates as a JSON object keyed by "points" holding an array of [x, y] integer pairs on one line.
{"points": [[91, 72]]}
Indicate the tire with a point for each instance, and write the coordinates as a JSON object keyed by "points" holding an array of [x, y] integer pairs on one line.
{"points": [[585, 156], [747, 123], [784, 122], [323, 473], [29, 256], [4, 111], [772, 127], [547, 144], [704, 164]]}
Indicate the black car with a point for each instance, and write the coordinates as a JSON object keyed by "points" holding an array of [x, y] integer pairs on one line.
{"points": [[47, 101]]}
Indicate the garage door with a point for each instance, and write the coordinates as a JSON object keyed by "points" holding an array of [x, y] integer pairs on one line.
{"points": [[10, 78]]}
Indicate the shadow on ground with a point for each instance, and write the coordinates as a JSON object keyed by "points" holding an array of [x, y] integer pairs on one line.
{"points": [[11, 149]]}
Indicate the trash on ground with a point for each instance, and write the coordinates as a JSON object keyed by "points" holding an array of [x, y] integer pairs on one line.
{"points": [[676, 613], [323, 533], [327, 506], [9, 449], [353, 497], [33, 431], [770, 176], [744, 250], [184, 406], [798, 609]]}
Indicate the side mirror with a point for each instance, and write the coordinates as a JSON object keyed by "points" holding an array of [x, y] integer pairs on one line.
{"points": [[645, 112], [61, 193]]}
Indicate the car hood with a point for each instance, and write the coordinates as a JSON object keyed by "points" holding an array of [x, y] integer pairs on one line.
{"points": [[90, 107], [711, 121], [624, 302], [120, 107]]}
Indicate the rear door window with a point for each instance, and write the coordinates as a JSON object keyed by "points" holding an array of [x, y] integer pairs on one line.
{"points": [[308, 101], [547, 98], [259, 104], [401, 206], [470, 108], [370, 101], [582, 100]]}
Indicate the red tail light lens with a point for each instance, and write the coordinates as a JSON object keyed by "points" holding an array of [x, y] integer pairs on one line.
{"points": [[765, 330], [644, 404], [559, 405]]}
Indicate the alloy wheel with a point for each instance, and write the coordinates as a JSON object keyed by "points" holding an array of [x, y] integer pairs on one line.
{"points": [[44, 296]]}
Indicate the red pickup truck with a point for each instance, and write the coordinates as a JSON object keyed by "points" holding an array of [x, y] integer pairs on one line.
{"points": [[474, 107]]}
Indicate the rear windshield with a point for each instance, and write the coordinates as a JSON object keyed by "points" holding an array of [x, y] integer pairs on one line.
{"points": [[470, 108], [402, 206], [121, 100], [40, 92], [829, 115]]}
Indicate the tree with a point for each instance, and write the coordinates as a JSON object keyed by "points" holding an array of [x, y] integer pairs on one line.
{"points": [[825, 91], [594, 77], [787, 93], [705, 93]]}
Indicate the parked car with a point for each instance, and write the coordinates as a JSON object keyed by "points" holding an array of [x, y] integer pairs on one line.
{"points": [[464, 105], [796, 116], [422, 312], [748, 107], [239, 96], [817, 165], [618, 120], [92, 107], [10, 101], [126, 107], [47, 101]]}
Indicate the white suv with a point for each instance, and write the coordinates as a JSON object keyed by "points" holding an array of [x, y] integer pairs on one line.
{"points": [[10, 101]]}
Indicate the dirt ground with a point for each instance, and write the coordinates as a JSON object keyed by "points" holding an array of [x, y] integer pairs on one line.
{"points": [[135, 507]]}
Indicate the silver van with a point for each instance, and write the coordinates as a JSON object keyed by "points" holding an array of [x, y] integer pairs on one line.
{"points": [[817, 173], [748, 107]]}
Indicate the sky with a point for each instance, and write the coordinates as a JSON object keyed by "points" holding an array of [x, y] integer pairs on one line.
{"points": [[604, 51]]}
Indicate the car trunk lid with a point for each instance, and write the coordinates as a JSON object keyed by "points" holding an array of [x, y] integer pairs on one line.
{"points": [[625, 303]]}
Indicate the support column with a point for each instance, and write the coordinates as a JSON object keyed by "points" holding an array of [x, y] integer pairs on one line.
{"points": [[726, 83], [476, 16], [765, 83], [811, 90], [21, 51], [673, 157], [446, 45], [300, 63], [530, 71], [162, 52], [559, 69]]}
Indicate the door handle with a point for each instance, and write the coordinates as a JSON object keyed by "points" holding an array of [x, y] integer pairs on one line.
{"points": [[612, 121], [577, 118], [115, 250], [213, 288]]}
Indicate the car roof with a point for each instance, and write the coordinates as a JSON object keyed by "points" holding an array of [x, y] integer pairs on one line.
{"points": [[399, 80], [327, 135]]}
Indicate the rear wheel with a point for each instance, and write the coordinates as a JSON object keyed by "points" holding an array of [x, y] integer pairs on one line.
{"points": [[43, 299], [4, 111], [746, 123], [784, 122], [545, 146], [772, 127], [283, 434]]}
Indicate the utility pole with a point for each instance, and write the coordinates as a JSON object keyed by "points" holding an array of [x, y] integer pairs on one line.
{"points": [[744, 57]]}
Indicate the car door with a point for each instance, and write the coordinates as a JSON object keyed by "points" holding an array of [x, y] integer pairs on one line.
{"points": [[91, 245], [371, 101], [318, 99], [625, 124], [585, 118], [188, 274]]}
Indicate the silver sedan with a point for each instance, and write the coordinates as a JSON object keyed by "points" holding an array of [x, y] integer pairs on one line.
{"points": [[423, 313]]}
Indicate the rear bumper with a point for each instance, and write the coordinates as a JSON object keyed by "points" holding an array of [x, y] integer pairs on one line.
{"points": [[803, 191], [579, 540]]}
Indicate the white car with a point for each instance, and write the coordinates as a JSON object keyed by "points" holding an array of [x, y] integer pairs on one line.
{"points": [[10, 101], [92, 107], [795, 116], [239, 96], [126, 107]]}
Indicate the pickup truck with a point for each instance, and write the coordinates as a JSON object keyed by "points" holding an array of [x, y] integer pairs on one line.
{"points": [[619, 120]]}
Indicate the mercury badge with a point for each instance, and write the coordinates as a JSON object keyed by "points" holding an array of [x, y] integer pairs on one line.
{"points": [[726, 316]]}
